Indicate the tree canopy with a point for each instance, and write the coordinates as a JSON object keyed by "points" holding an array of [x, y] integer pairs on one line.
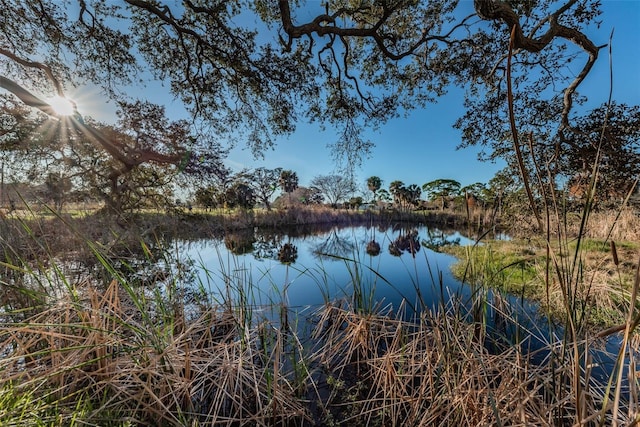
{"points": [[265, 183], [250, 70], [335, 188]]}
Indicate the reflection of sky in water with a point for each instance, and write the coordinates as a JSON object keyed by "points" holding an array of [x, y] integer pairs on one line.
{"points": [[327, 265]]}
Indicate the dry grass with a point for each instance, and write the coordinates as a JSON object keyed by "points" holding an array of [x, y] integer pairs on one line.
{"points": [[106, 362], [621, 225], [119, 363], [119, 357], [437, 372]]}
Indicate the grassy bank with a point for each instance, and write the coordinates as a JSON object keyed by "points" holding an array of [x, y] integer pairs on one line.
{"points": [[88, 358], [598, 261], [114, 349], [519, 267]]}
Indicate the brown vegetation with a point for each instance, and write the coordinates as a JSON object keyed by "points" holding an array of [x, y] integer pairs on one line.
{"points": [[100, 360]]}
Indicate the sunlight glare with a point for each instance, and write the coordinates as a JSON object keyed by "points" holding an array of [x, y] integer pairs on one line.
{"points": [[62, 106]]}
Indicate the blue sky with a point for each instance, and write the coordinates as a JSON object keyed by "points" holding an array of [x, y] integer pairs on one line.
{"points": [[422, 147]]}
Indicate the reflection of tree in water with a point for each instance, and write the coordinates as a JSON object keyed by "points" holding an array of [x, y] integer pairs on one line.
{"points": [[373, 248], [437, 239], [407, 242], [288, 253], [334, 245], [240, 242], [267, 245]]}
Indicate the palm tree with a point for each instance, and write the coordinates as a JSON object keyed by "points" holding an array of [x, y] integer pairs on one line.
{"points": [[383, 195], [288, 182], [374, 183], [396, 188], [413, 193]]}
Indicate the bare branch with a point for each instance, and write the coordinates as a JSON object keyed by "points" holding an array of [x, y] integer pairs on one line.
{"points": [[501, 11]]}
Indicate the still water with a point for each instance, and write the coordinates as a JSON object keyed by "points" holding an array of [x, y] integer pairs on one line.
{"points": [[383, 267], [394, 270]]}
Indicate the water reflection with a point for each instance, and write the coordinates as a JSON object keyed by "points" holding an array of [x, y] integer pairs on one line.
{"points": [[240, 242], [437, 239], [267, 244], [406, 242], [288, 253], [383, 260], [373, 248], [335, 245]]}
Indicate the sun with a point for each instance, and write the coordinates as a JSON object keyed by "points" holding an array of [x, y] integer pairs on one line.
{"points": [[62, 106]]}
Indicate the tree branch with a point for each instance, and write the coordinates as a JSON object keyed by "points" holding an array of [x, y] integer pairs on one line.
{"points": [[32, 64], [115, 149], [500, 11]]}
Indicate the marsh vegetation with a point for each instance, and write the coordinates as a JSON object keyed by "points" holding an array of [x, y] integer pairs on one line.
{"points": [[164, 328], [143, 281]]}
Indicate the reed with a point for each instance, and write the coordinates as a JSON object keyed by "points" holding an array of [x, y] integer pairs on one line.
{"points": [[121, 355], [129, 346]]}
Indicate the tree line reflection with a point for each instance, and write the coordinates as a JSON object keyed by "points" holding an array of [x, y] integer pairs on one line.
{"points": [[334, 244]]}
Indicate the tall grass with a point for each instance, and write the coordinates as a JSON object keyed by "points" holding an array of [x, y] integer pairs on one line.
{"points": [[77, 351], [115, 350], [125, 354], [565, 274]]}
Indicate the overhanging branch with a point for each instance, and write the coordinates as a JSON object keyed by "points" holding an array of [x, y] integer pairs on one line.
{"points": [[501, 11], [115, 149]]}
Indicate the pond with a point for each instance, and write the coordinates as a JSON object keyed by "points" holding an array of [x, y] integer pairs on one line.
{"points": [[308, 269], [373, 268], [394, 270], [286, 276]]}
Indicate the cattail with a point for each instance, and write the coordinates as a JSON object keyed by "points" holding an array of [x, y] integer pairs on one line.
{"points": [[614, 252]]}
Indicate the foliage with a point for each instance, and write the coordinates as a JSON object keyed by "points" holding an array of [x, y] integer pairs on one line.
{"points": [[355, 202], [138, 169], [264, 183], [400, 193], [57, 186], [477, 190], [441, 189], [616, 145], [404, 196], [16, 123], [301, 196], [248, 70], [505, 194], [206, 197], [608, 134], [288, 181], [384, 196], [240, 195], [374, 183]]}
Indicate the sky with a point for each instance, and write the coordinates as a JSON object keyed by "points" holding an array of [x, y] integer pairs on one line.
{"points": [[422, 146]]}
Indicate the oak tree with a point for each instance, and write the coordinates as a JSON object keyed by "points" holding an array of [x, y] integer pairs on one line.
{"points": [[264, 183], [250, 70]]}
